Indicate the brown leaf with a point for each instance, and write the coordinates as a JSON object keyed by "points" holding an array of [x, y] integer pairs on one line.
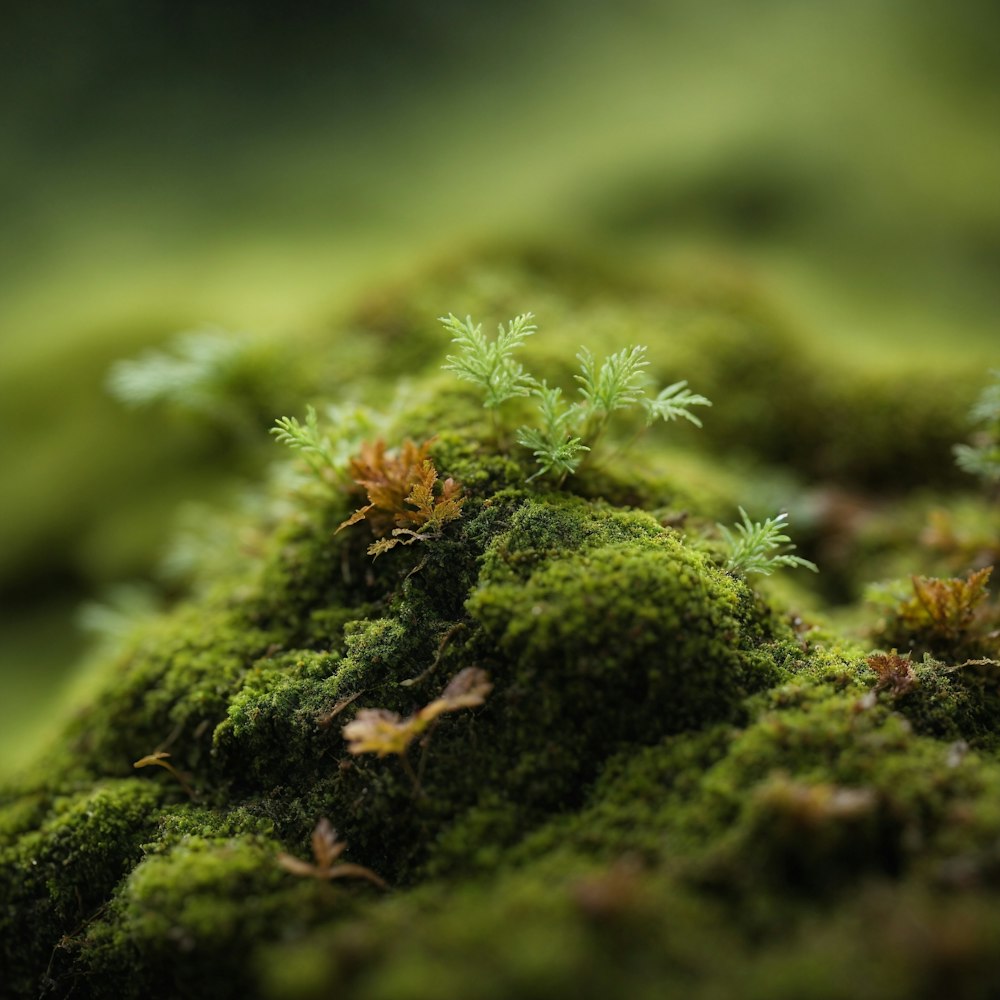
{"points": [[467, 689], [325, 846], [401, 493], [379, 731], [895, 672], [326, 849]]}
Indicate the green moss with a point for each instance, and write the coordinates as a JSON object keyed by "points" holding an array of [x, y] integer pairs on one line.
{"points": [[175, 926], [671, 764], [960, 702], [54, 878]]}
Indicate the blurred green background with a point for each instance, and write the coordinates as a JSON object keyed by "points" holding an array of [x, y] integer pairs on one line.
{"points": [[170, 165]]}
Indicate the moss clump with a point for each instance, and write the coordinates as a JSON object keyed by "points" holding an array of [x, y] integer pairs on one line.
{"points": [[53, 877], [669, 763], [599, 628], [181, 917], [953, 702]]}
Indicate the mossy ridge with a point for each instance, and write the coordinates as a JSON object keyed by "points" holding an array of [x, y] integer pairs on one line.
{"points": [[539, 740], [824, 785], [237, 684], [551, 718], [565, 931], [720, 841], [54, 878], [179, 923]]}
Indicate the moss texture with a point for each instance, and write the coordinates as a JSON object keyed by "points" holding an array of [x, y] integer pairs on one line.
{"points": [[671, 765]]}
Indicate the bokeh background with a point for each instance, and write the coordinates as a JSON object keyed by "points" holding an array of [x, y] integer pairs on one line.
{"points": [[170, 165]]}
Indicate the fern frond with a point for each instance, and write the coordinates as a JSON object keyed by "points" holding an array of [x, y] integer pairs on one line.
{"points": [[490, 364], [556, 448], [329, 448], [982, 461], [568, 431], [213, 374], [307, 439], [617, 384], [982, 458], [672, 402], [987, 408], [755, 547]]}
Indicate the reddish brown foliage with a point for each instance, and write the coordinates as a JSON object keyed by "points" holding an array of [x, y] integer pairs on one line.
{"points": [[406, 502], [948, 606], [326, 850], [950, 618], [895, 672]]}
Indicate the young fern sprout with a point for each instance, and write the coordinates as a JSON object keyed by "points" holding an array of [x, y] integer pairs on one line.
{"points": [[616, 385], [760, 547], [568, 431], [983, 458], [328, 449], [307, 439], [556, 449], [490, 364]]}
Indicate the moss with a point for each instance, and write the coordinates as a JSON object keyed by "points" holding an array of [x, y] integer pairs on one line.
{"points": [[176, 924], [54, 878], [671, 764], [960, 702]]}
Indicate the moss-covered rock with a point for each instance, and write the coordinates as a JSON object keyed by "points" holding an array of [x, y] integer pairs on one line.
{"points": [[660, 762]]}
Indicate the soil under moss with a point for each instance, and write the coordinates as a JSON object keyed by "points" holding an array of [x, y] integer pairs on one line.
{"points": [[678, 783]]}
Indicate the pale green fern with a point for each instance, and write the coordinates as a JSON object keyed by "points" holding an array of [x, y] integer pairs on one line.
{"points": [[568, 431], [983, 458], [760, 547], [673, 402], [328, 448], [307, 439], [490, 363], [556, 449]]}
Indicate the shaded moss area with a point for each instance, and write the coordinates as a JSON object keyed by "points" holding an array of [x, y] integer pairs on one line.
{"points": [[671, 764]]}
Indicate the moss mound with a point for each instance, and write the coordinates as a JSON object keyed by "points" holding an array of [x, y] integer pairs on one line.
{"points": [[666, 764]]}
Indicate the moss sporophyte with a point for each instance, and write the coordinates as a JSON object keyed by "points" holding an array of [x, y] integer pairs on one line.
{"points": [[584, 749]]}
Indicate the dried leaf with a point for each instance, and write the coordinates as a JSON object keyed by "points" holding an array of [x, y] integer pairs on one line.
{"points": [[379, 731], [158, 759], [895, 672], [467, 689], [326, 849], [325, 846], [403, 506]]}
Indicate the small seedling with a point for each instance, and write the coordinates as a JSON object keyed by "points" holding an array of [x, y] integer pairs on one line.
{"points": [[760, 547], [326, 850]]}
